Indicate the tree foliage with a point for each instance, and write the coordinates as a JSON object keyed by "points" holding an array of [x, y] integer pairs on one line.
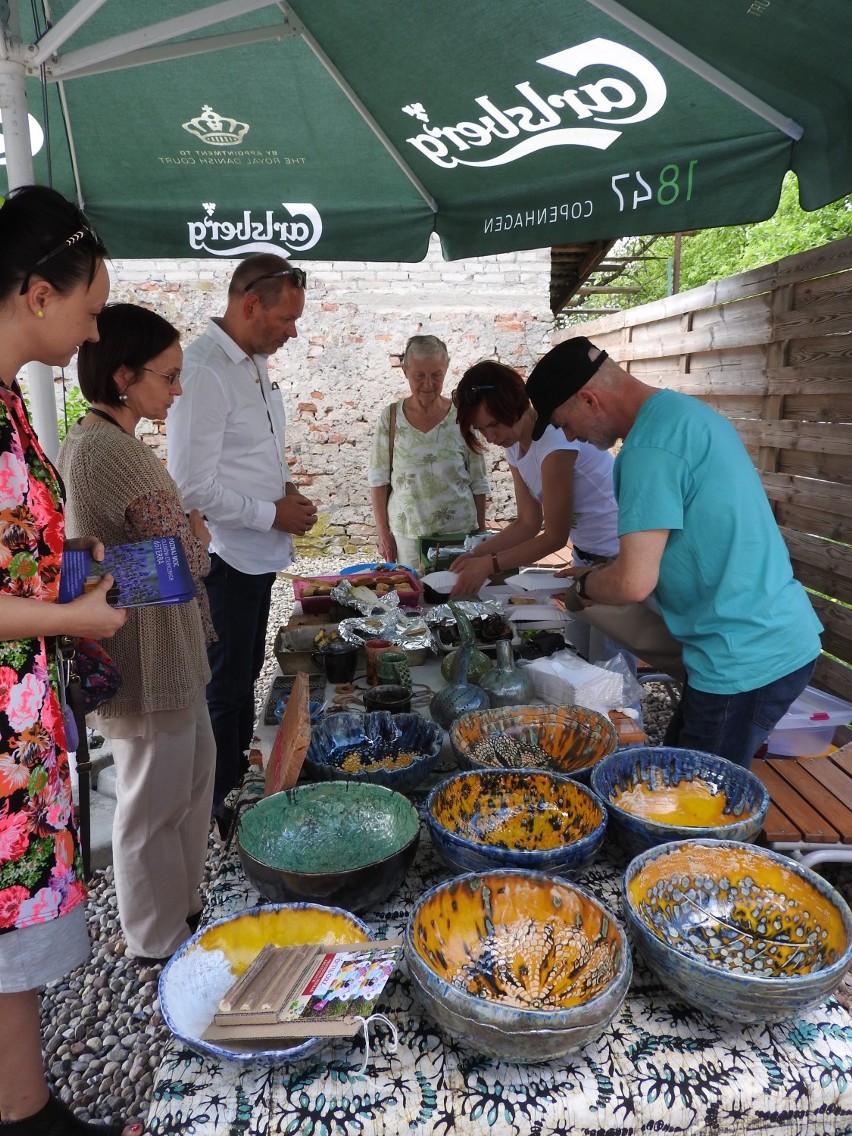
{"points": [[713, 254]]}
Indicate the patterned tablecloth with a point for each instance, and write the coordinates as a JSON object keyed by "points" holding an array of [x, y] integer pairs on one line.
{"points": [[661, 1067]]}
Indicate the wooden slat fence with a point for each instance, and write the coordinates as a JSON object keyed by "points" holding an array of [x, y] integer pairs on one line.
{"points": [[772, 350]]}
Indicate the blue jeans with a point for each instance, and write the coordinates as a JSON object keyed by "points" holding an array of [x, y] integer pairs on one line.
{"points": [[239, 606], [734, 725]]}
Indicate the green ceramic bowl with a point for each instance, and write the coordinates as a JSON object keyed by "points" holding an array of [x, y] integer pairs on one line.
{"points": [[347, 843]]}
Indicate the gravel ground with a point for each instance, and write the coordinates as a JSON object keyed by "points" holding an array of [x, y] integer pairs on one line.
{"points": [[103, 1033]]}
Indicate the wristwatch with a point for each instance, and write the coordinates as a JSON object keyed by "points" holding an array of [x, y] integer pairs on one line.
{"points": [[580, 586]]}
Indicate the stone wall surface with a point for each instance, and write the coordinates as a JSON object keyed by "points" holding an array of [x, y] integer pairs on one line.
{"points": [[344, 365]]}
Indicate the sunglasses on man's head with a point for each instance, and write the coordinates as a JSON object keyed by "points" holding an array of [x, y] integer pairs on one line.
{"points": [[470, 396], [75, 238], [300, 277]]}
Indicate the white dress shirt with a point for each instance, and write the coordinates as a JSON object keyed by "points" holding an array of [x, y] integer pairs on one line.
{"points": [[226, 451]]}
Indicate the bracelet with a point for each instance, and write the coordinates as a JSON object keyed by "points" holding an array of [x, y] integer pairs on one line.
{"points": [[494, 561]]}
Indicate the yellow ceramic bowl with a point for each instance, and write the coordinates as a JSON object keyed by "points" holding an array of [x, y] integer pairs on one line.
{"points": [[737, 930], [517, 965], [559, 739], [202, 970], [495, 818]]}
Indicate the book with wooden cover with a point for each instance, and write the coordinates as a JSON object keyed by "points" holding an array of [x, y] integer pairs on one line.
{"points": [[308, 991]]}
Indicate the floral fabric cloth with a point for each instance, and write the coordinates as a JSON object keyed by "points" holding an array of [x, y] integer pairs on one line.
{"points": [[661, 1067], [434, 476], [40, 865]]}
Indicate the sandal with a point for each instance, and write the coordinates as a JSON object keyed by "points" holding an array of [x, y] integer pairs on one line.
{"points": [[56, 1119]]}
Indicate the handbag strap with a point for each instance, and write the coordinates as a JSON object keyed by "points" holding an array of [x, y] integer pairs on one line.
{"points": [[84, 780], [391, 436]]}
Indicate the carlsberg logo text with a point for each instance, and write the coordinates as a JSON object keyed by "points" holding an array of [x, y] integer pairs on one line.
{"points": [[635, 93], [233, 236]]}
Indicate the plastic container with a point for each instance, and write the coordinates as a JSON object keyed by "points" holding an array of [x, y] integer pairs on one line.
{"points": [[807, 729]]}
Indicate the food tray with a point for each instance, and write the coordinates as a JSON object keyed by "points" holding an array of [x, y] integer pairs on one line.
{"points": [[282, 687], [318, 604]]}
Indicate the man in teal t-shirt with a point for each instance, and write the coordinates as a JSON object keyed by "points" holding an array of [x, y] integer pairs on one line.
{"points": [[696, 530]]}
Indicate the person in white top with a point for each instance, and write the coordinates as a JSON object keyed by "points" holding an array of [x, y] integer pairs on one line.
{"points": [[226, 453], [562, 488]]}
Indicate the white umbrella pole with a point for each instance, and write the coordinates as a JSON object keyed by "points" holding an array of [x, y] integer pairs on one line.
{"points": [[19, 164]]}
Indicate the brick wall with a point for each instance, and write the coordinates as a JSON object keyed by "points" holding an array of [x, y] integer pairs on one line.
{"points": [[345, 363]]}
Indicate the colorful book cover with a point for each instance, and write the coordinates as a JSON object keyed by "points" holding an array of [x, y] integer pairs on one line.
{"points": [[308, 991], [149, 572]]}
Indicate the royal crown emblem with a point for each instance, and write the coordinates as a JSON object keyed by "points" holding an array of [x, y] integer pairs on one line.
{"points": [[216, 130]]}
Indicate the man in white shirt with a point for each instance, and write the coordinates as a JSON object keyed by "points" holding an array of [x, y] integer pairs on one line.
{"points": [[226, 452]]}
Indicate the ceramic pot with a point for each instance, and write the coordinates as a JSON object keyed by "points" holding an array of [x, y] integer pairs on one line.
{"points": [[337, 660], [393, 667], [373, 648], [506, 684], [388, 696], [459, 696]]}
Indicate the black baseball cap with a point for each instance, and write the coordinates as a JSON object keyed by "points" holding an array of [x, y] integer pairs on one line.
{"points": [[558, 375]]}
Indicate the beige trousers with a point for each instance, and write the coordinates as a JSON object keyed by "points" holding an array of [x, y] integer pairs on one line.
{"points": [[164, 787]]}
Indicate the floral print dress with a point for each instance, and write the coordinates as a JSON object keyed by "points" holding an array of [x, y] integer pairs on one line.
{"points": [[40, 865]]}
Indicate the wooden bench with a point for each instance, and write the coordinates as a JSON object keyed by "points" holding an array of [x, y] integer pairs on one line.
{"points": [[810, 809]]}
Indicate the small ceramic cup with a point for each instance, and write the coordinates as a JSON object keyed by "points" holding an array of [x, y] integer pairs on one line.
{"points": [[337, 661], [396, 699], [393, 667], [373, 648]]}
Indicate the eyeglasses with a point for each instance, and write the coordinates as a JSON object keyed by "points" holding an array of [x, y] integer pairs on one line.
{"points": [[69, 242], [300, 277], [172, 379], [469, 396]]}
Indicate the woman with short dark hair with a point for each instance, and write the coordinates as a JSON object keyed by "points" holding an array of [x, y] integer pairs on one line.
{"points": [[158, 723]]}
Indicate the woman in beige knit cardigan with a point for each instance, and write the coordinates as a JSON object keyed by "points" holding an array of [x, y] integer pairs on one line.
{"points": [[158, 723]]}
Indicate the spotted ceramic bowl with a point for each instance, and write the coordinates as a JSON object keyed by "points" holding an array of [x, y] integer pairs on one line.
{"points": [[494, 818], [558, 739], [395, 750], [201, 972], [330, 842], [657, 794], [736, 930], [519, 966]]}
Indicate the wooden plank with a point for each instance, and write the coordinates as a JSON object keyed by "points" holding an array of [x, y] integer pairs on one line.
{"points": [[827, 292], [834, 677], [830, 438], [810, 823], [817, 376], [829, 496], [821, 522], [838, 786], [839, 618], [811, 324], [835, 814], [842, 758], [822, 467], [809, 406]]}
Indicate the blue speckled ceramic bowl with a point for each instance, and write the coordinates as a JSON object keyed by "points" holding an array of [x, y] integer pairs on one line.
{"points": [[206, 966], [331, 842], [661, 793], [395, 750], [519, 966], [737, 930], [494, 818], [559, 739]]}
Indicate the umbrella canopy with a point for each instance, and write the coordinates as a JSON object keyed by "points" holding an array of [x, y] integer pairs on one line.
{"points": [[340, 130]]}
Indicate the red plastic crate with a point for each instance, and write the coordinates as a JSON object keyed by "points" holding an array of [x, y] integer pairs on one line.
{"points": [[315, 605]]}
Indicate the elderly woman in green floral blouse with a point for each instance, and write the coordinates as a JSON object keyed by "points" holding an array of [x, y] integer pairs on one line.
{"points": [[423, 477]]}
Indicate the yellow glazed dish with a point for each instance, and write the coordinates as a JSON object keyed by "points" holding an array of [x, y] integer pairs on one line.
{"points": [[518, 965], [695, 804], [242, 938], [737, 930], [490, 818], [559, 739]]}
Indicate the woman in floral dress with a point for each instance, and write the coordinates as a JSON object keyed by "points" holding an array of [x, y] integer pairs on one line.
{"points": [[53, 283]]}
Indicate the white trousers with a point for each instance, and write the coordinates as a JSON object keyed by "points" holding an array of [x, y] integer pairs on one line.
{"points": [[164, 787]]}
